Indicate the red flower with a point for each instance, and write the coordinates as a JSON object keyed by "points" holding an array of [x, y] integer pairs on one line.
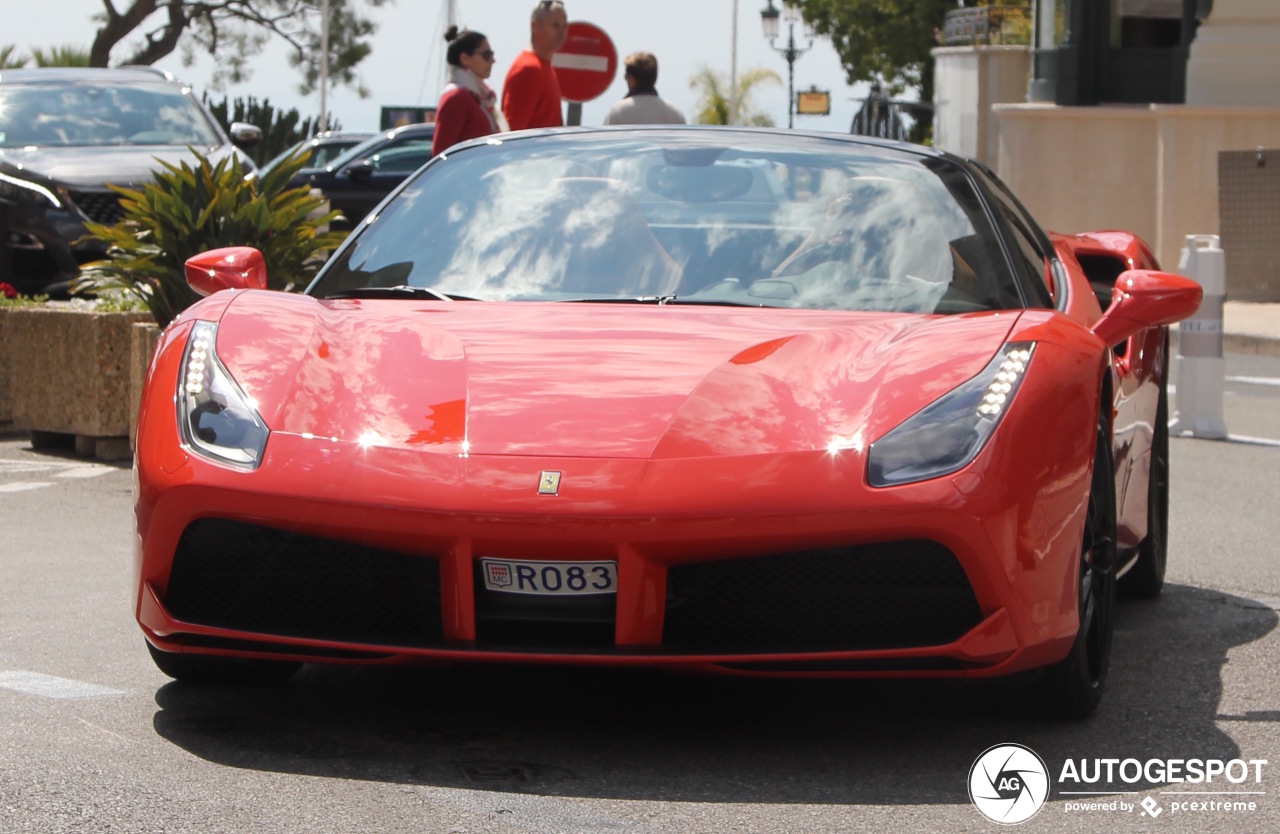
{"points": [[8, 291]]}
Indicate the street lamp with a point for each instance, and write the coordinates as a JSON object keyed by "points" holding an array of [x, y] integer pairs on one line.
{"points": [[769, 19]]}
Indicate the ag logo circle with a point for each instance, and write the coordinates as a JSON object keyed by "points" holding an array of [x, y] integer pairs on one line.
{"points": [[1008, 783]]}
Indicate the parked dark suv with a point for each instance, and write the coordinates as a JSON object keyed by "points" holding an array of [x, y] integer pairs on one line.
{"points": [[355, 182], [65, 134]]}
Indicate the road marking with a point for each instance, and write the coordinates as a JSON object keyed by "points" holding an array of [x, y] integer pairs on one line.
{"points": [[1252, 441], [103, 729], [1255, 380], [23, 486], [84, 471], [78, 470], [11, 466], [48, 686]]}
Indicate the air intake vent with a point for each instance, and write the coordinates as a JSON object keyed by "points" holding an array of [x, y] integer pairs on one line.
{"points": [[239, 576], [886, 596]]}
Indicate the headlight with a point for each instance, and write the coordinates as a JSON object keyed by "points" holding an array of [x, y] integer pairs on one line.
{"points": [[948, 433], [18, 190], [217, 420]]}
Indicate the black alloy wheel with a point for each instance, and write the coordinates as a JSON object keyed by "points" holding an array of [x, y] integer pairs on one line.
{"points": [[1073, 687]]}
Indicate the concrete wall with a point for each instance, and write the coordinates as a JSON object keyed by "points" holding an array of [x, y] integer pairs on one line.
{"points": [[968, 81], [1152, 169], [1234, 59]]}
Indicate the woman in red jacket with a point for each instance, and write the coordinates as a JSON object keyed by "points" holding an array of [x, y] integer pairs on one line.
{"points": [[466, 108]]}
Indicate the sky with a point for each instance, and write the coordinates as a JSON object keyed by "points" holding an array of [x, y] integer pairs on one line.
{"points": [[406, 67]]}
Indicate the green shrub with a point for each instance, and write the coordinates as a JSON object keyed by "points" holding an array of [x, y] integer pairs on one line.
{"points": [[9, 297], [188, 210]]}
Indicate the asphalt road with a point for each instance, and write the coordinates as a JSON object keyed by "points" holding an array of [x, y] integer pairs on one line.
{"points": [[94, 739]]}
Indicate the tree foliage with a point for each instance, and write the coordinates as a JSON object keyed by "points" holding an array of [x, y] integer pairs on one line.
{"points": [[886, 40], [11, 58], [714, 95], [233, 32], [54, 56]]}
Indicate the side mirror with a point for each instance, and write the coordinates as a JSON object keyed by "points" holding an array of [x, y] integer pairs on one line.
{"points": [[1145, 298], [232, 268], [361, 171], [245, 135]]}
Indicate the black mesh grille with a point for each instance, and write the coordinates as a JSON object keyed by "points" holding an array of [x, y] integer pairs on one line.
{"points": [[99, 206], [893, 595], [232, 575]]}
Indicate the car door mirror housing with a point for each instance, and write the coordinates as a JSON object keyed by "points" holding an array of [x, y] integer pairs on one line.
{"points": [[245, 135], [1144, 298], [231, 268], [361, 171]]}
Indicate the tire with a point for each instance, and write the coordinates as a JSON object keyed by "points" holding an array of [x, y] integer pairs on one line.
{"points": [[1073, 687], [211, 669], [1145, 579]]}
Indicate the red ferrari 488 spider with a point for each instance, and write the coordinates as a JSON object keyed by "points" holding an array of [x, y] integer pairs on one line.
{"points": [[744, 401]]}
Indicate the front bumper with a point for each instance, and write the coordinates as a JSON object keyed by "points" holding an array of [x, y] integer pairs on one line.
{"points": [[783, 566]]}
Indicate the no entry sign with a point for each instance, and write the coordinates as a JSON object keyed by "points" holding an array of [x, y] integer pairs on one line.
{"points": [[586, 64]]}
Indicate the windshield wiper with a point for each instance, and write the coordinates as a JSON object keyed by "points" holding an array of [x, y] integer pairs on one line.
{"points": [[398, 291], [640, 299], [662, 300], [714, 302]]}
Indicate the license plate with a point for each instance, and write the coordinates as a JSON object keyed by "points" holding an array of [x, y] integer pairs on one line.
{"points": [[555, 579]]}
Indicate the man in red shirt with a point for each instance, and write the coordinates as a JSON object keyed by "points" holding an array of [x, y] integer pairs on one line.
{"points": [[531, 93]]}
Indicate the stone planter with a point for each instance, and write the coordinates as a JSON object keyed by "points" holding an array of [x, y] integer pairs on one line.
{"points": [[70, 374], [7, 358]]}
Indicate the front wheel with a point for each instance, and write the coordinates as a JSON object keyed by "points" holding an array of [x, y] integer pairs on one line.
{"points": [[1073, 687], [211, 669]]}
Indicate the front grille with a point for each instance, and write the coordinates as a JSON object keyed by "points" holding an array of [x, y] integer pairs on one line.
{"points": [[893, 595], [99, 206], [228, 574]]}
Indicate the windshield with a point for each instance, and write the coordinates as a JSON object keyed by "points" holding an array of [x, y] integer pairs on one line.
{"points": [[64, 114], [319, 153], [714, 217]]}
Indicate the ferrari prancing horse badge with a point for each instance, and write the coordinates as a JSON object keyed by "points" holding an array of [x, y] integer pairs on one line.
{"points": [[549, 484]]}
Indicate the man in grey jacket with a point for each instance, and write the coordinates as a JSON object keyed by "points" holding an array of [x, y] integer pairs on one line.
{"points": [[642, 104]]}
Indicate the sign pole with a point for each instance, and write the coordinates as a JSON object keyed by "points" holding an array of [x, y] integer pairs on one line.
{"points": [[574, 117]]}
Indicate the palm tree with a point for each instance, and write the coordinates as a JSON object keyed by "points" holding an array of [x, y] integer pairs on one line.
{"points": [[714, 96], [61, 56], [54, 56], [10, 58]]}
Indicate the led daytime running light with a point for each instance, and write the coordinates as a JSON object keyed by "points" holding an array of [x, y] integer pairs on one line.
{"points": [[1007, 378], [215, 417]]}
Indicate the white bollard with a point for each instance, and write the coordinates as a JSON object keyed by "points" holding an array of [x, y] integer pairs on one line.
{"points": [[1200, 366]]}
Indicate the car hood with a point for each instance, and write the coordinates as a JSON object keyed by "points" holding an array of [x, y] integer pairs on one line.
{"points": [[593, 380], [92, 167]]}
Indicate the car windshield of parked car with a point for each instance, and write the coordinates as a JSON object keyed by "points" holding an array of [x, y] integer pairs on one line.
{"points": [[319, 153], [710, 217], [75, 114]]}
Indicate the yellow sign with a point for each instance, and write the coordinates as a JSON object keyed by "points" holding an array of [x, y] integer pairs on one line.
{"points": [[813, 102]]}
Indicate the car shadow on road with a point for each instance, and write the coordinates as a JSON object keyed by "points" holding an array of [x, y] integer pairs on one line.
{"points": [[641, 735]]}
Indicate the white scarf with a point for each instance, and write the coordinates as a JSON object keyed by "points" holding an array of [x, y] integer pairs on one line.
{"points": [[474, 84]]}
